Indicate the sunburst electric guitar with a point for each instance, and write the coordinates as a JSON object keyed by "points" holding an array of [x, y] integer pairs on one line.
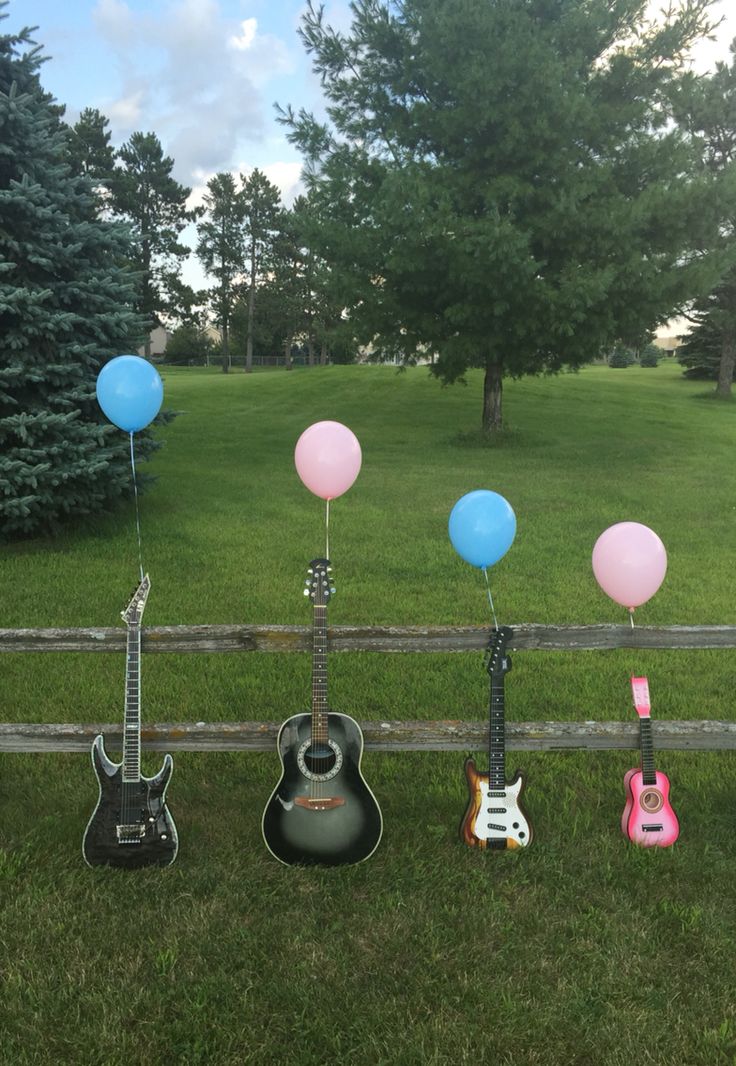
{"points": [[494, 817], [648, 818], [131, 825], [321, 811]]}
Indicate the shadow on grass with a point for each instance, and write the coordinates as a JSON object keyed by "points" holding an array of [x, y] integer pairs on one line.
{"points": [[508, 437]]}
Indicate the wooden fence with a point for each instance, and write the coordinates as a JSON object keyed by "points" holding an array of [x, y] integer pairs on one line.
{"points": [[379, 735]]}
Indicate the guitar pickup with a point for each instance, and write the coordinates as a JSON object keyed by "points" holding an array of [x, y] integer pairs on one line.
{"points": [[652, 828], [130, 834]]}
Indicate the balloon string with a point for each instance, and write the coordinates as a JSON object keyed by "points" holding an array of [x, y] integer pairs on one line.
{"points": [[137, 513], [631, 616], [327, 529], [490, 598]]}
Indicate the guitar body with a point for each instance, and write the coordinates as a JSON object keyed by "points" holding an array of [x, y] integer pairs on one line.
{"points": [[321, 811], [629, 800], [142, 834], [494, 819], [648, 818]]}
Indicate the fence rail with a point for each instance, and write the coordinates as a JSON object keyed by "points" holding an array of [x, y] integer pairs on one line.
{"points": [[415, 639], [447, 735], [379, 736]]}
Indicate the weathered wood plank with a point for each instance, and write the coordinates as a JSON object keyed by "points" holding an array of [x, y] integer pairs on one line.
{"points": [[448, 735], [392, 639]]}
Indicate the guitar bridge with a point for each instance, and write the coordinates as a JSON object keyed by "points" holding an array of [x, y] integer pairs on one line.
{"points": [[325, 803], [652, 828], [130, 834]]}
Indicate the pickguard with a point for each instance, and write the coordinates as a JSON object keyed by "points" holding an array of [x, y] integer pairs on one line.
{"points": [[499, 816]]}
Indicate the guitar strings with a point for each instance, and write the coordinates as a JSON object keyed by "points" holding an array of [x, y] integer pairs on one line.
{"points": [[137, 510]]}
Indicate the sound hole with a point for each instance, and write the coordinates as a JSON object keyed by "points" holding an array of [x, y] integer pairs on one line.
{"points": [[652, 800], [319, 761], [319, 758]]}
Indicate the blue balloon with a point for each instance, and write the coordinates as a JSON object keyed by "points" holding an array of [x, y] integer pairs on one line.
{"points": [[482, 527], [130, 392]]}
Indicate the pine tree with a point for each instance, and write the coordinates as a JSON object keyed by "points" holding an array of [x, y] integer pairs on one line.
{"points": [[262, 216], [65, 309], [144, 193], [220, 248], [500, 182]]}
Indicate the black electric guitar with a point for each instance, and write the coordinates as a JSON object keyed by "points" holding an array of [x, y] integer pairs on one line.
{"points": [[494, 817], [131, 825], [321, 811]]}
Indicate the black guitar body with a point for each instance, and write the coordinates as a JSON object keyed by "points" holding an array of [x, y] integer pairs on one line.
{"points": [[131, 825], [321, 811]]}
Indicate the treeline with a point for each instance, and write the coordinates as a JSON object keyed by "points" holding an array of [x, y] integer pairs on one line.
{"points": [[270, 289]]}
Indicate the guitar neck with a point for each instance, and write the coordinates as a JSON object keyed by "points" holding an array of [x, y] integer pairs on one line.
{"points": [[497, 736], [646, 745], [132, 719], [319, 673]]}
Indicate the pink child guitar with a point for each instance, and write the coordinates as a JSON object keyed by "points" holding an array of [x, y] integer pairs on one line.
{"points": [[648, 818]]}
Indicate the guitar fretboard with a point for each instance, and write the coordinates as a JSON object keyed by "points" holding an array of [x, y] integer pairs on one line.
{"points": [[646, 744], [319, 673], [132, 720], [497, 737]]}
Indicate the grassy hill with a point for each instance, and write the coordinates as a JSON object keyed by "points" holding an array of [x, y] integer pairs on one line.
{"points": [[582, 950]]}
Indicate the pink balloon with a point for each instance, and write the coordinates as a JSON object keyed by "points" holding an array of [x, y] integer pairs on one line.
{"points": [[328, 458], [629, 563]]}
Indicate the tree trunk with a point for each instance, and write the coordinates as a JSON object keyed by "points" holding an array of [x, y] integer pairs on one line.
{"points": [[225, 349], [727, 364], [310, 348], [251, 312], [287, 353], [323, 354], [492, 390]]}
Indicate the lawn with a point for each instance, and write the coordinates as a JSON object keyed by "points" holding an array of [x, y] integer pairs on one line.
{"points": [[581, 950]]}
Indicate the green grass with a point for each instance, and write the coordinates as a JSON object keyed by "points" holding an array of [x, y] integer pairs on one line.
{"points": [[582, 950]]}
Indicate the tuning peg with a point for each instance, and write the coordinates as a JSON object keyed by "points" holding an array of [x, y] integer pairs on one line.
{"points": [[332, 592], [306, 592], [310, 570], [329, 569]]}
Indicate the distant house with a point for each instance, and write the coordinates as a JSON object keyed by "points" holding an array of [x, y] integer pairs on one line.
{"points": [[670, 344], [159, 339]]}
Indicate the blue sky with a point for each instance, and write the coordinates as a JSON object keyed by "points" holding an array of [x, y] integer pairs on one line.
{"points": [[202, 74]]}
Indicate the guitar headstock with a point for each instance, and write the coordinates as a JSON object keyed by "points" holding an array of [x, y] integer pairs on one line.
{"points": [[319, 586], [498, 662], [134, 611], [640, 692]]}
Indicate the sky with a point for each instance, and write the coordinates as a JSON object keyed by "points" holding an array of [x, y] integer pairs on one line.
{"points": [[203, 75]]}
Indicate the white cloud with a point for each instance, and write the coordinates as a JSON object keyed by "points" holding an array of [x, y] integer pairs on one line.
{"points": [[194, 77], [245, 40], [126, 111]]}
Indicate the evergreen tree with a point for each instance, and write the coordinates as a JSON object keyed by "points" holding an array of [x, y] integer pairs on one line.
{"points": [[90, 151], [66, 307], [498, 179], [707, 107], [261, 213], [221, 249], [144, 193]]}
